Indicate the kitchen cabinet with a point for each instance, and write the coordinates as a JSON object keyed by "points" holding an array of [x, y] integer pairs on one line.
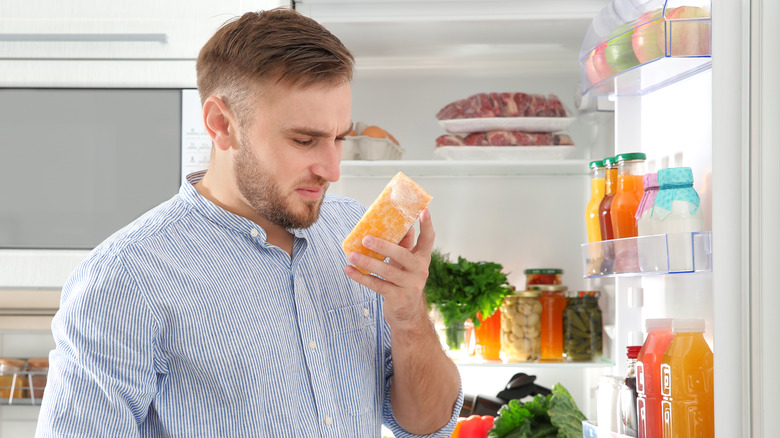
{"points": [[119, 43]]}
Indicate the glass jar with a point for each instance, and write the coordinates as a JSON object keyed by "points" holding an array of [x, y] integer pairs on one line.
{"points": [[488, 336], [38, 370], [582, 326], [521, 322], [542, 276], [12, 379], [551, 334]]}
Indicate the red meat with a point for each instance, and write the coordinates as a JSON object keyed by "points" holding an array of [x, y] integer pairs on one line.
{"points": [[449, 140]]}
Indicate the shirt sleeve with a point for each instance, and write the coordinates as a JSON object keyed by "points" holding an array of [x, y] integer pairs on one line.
{"points": [[102, 376], [388, 416]]}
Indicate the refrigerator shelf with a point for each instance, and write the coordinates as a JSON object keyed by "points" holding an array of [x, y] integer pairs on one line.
{"points": [[22, 388], [673, 253], [603, 363], [462, 168], [591, 430]]}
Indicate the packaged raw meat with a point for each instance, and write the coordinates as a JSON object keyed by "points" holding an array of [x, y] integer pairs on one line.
{"points": [[512, 104], [505, 138]]}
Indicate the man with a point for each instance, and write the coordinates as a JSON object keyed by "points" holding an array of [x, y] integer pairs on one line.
{"points": [[231, 310]]}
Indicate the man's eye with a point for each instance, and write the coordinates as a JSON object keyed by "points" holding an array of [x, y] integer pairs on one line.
{"points": [[340, 138], [308, 142]]}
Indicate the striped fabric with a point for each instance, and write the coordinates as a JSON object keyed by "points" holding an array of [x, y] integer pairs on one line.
{"points": [[186, 323]]}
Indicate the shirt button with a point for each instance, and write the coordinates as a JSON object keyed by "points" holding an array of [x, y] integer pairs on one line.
{"points": [[254, 232], [328, 421], [312, 345], [366, 313]]}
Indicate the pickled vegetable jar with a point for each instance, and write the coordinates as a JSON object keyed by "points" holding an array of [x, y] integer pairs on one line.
{"points": [[521, 322], [542, 276], [553, 302], [12, 379], [582, 326]]}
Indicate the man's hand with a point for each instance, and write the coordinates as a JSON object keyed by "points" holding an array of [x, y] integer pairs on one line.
{"points": [[402, 281]]}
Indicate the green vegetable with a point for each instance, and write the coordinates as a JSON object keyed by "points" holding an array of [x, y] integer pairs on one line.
{"points": [[462, 290], [555, 415]]}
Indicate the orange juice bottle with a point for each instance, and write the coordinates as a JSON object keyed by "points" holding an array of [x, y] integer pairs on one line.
{"points": [[648, 377], [488, 336], [688, 406], [592, 225], [628, 194], [605, 206]]}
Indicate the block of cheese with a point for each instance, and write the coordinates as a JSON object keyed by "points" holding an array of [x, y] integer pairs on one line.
{"points": [[390, 216]]}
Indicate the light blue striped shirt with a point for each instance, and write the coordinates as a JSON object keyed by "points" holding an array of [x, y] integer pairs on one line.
{"points": [[186, 323]]}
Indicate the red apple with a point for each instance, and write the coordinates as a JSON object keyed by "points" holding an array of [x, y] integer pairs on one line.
{"points": [[600, 62], [687, 32], [590, 71], [645, 37]]}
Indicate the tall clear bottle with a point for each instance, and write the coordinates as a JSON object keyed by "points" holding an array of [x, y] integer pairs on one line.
{"points": [[648, 377], [627, 395], [592, 224], [688, 406], [605, 206]]}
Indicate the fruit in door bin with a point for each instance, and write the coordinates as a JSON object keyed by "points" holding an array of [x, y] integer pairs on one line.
{"points": [[687, 32], [645, 37], [600, 63], [619, 51], [590, 70]]}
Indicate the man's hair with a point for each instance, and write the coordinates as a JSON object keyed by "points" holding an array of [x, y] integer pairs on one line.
{"points": [[278, 46]]}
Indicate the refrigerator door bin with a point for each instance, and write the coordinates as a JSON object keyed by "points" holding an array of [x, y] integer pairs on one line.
{"points": [[672, 253]]}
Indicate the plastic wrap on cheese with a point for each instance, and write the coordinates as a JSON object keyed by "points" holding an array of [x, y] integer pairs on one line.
{"points": [[390, 216]]}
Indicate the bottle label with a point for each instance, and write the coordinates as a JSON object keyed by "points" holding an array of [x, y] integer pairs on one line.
{"points": [[641, 417], [666, 409], [640, 378], [666, 393], [666, 380]]}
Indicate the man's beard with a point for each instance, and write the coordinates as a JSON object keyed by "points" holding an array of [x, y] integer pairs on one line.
{"points": [[265, 197]]}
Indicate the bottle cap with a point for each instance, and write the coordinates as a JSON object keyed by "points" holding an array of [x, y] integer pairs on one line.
{"points": [[630, 156], [609, 161], [632, 351], [595, 164], [543, 271], [658, 324], [588, 293], [688, 326]]}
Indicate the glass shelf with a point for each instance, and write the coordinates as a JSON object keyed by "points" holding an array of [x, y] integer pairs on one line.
{"points": [[601, 363], [672, 253]]}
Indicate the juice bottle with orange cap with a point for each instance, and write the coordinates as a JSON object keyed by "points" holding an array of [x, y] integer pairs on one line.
{"points": [[687, 382]]}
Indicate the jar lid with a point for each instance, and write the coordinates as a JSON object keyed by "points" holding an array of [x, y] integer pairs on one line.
{"points": [[588, 293], [38, 362], [609, 161], [10, 364], [548, 287], [630, 156], [527, 293], [543, 271], [675, 176], [595, 164], [658, 324]]}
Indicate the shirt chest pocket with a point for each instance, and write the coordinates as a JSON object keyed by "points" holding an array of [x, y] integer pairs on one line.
{"points": [[354, 361]]}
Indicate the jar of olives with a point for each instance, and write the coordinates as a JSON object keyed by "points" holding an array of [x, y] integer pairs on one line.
{"points": [[582, 326], [521, 326]]}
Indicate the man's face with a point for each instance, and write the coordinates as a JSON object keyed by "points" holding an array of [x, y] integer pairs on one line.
{"points": [[291, 153]]}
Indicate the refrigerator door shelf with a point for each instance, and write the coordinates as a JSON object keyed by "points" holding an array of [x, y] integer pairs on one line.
{"points": [[591, 430], [673, 253]]}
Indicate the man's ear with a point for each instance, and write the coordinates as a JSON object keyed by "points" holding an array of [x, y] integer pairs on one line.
{"points": [[220, 123]]}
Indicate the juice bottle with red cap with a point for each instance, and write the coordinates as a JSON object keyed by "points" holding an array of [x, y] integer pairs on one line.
{"points": [[648, 377]]}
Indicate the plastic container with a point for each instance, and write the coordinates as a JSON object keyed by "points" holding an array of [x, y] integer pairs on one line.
{"points": [[542, 276], [488, 336], [687, 382], [607, 403], [553, 301], [582, 326], [648, 377], [521, 323], [676, 213], [12, 379]]}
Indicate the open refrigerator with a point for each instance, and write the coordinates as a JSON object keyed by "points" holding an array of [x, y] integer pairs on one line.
{"points": [[715, 112]]}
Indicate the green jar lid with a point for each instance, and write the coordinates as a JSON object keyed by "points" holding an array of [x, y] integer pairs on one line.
{"points": [[596, 164], [630, 156], [543, 271], [609, 161]]}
